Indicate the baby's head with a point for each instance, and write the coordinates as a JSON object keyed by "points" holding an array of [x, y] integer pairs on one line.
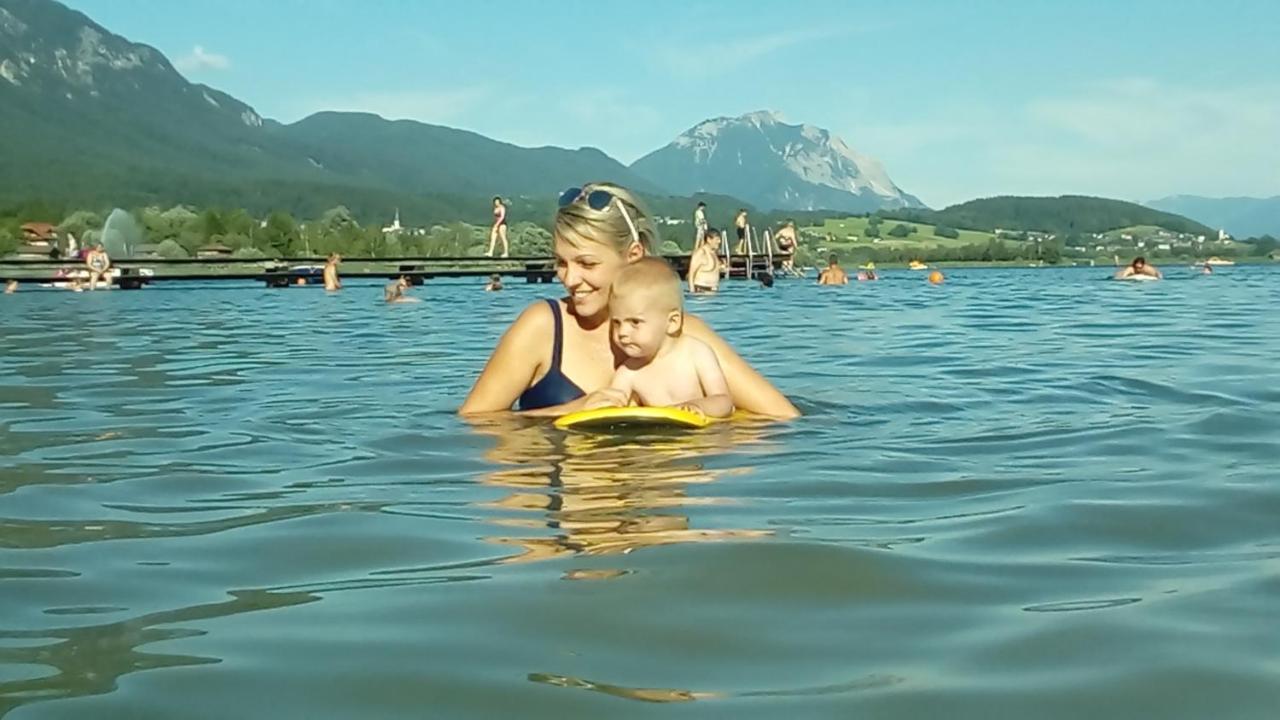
{"points": [[646, 307]]}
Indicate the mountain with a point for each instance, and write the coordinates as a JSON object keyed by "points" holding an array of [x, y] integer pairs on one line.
{"points": [[1065, 215], [436, 159], [87, 116], [1240, 216], [773, 165]]}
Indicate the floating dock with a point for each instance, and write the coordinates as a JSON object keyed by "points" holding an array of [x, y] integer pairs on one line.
{"points": [[135, 273]]}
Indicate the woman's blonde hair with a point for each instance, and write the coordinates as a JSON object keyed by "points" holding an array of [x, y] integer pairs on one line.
{"points": [[578, 223]]}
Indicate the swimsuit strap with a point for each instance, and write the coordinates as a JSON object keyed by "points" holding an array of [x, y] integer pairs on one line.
{"points": [[558, 342]]}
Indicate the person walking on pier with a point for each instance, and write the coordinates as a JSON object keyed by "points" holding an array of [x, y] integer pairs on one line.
{"points": [[699, 225], [499, 229], [740, 225], [331, 280]]}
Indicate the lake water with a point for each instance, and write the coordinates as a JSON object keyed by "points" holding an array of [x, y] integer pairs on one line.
{"points": [[1021, 494]]}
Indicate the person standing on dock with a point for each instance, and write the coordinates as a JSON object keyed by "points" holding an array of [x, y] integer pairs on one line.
{"points": [[331, 279], [499, 229], [99, 265], [740, 225], [787, 243], [699, 225]]}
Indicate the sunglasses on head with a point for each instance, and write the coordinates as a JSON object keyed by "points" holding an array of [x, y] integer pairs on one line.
{"points": [[599, 200]]}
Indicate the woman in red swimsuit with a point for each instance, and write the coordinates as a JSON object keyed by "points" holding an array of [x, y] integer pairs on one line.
{"points": [[499, 229]]}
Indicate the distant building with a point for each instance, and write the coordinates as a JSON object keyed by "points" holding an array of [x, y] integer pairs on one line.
{"points": [[213, 251], [395, 227], [1223, 236]]}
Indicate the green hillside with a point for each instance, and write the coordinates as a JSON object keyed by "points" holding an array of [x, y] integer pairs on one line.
{"points": [[1065, 215]]}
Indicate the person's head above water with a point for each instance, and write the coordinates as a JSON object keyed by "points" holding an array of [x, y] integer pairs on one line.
{"points": [[646, 307], [832, 260], [1139, 263], [711, 237], [598, 229]]}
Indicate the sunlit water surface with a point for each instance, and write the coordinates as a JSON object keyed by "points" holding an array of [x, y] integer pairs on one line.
{"points": [[1021, 494]]}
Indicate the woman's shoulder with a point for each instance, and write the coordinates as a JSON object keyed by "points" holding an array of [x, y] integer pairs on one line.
{"points": [[536, 318]]}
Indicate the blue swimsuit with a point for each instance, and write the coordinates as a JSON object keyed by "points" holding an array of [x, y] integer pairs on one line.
{"points": [[554, 388]]}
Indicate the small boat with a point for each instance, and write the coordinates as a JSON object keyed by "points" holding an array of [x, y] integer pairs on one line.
{"points": [[917, 265], [1215, 260]]}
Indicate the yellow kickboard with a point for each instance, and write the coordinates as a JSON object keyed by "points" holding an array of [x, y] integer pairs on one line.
{"points": [[624, 418]]}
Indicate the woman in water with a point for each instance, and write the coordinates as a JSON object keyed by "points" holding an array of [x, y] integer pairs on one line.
{"points": [[704, 264], [557, 351], [499, 229], [1139, 268]]}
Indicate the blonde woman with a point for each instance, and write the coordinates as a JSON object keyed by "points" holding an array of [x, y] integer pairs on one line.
{"points": [[558, 351], [499, 229]]}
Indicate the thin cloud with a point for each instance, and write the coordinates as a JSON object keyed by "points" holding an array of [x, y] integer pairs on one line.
{"points": [[708, 59], [200, 59]]}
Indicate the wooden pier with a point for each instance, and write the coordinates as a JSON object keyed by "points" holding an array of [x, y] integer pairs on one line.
{"points": [[135, 273]]}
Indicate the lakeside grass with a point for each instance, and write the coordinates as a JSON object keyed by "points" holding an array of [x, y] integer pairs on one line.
{"points": [[850, 233]]}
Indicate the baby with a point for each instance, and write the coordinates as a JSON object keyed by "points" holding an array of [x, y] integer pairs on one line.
{"points": [[661, 367]]}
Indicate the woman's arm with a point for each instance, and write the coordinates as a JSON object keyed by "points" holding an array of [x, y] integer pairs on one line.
{"points": [[514, 363], [751, 392]]}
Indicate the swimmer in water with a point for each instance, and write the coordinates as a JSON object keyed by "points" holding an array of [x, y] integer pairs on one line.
{"points": [[833, 274], [331, 280], [495, 283], [704, 264], [394, 292], [11, 287], [661, 366], [1139, 266]]}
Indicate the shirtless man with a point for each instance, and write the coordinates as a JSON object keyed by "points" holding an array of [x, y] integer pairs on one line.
{"points": [[331, 280], [833, 274], [660, 366], [740, 226], [1139, 266], [787, 242], [704, 264]]}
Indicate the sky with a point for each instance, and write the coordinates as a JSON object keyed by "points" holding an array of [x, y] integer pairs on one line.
{"points": [[1132, 99]]}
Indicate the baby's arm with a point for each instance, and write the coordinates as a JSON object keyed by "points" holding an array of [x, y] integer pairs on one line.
{"points": [[717, 402], [618, 394]]}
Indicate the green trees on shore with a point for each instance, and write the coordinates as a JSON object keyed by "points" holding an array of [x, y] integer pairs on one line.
{"points": [[181, 232]]}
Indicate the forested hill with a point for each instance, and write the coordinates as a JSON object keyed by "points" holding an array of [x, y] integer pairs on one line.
{"points": [[1064, 215]]}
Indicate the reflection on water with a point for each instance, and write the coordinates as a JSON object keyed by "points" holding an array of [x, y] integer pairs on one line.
{"points": [[90, 660], [601, 494]]}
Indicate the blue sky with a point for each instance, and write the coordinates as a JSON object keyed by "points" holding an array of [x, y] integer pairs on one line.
{"points": [[1129, 99]]}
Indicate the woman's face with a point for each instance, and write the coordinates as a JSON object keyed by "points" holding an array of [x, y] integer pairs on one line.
{"points": [[586, 271]]}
